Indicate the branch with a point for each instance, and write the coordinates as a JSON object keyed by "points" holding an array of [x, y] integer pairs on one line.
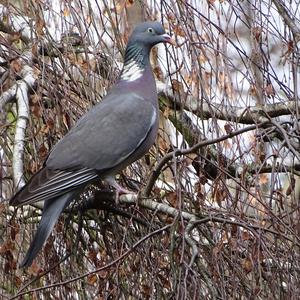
{"points": [[15, 23], [22, 88], [109, 265], [289, 21], [156, 172], [8, 96], [242, 115]]}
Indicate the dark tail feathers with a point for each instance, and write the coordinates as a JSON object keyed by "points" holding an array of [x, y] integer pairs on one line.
{"points": [[51, 211]]}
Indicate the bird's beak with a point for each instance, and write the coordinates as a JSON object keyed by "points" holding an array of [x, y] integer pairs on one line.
{"points": [[168, 39]]}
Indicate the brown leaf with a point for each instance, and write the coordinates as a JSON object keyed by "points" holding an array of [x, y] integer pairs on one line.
{"points": [[43, 151], [233, 244], [35, 98], [245, 235], [39, 25], [146, 290], [247, 264], [92, 279], [291, 186], [178, 30], [92, 255], [6, 247], [217, 249], [269, 90], [177, 86], [2, 207], [119, 7], [158, 73], [66, 11], [103, 274], [36, 110], [257, 33], [228, 128], [263, 178], [253, 90], [18, 281], [16, 65], [14, 230], [35, 269], [202, 59], [219, 193], [171, 17], [172, 199]]}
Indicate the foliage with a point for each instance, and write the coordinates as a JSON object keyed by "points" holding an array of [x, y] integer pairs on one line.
{"points": [[217, 213]]}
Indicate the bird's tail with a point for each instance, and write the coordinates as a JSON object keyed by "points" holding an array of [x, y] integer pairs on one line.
{"points": [[51, 211]]}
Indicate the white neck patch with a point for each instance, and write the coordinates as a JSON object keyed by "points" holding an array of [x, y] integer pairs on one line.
{"points": [[131, 71]]}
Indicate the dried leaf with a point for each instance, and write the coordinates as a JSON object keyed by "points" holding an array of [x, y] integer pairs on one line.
{"points": [[158, 73], [92, 279], [269, 90], [36, 110], [178, 30], [202, 59], [129, 3], [263, 178], [172, 199], [171, 17], [257, 33], [291, 186], [35, 269], [7, 246], [228, 128], [245, 235], [177, 86], [233, 244], [66, 12], [16, 65], [103, 274], [247, 264], [18, 281], [2, 206], [14, 230], [14, 37], [219, 193], [43, 152], [39, 25], [253, 90], [146, 290]]}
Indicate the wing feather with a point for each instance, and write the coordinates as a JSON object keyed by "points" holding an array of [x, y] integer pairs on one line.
{"points": [[47, 184]]}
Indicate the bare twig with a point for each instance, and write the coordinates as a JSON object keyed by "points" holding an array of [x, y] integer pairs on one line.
{"points": [[156, 172], [109, 265]]}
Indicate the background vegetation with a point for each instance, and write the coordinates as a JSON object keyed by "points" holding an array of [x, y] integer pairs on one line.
{"points": [[216, 209]]}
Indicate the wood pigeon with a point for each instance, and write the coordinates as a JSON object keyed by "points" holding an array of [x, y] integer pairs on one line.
{"points": [[113, 134]]}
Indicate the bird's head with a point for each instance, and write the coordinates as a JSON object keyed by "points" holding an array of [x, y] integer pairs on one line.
{"points": [[149, 34]]}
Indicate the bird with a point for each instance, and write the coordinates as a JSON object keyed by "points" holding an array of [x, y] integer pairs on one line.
{"points": [[114, 133]]}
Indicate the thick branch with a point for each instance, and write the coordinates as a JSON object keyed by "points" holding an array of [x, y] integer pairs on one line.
{"points": [[289, 21], [242, 115], [23, 113], [14, 23]]}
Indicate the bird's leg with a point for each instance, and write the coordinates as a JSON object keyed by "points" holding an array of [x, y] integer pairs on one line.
{"points": [[119, 189]]}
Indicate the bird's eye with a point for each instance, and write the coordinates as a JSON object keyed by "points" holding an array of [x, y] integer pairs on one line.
{"points": [[151, 30]]}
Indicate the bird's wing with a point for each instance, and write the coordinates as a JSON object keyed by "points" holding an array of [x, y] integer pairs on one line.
{"points": [[105, 138], [48, 184], [107, 135]]}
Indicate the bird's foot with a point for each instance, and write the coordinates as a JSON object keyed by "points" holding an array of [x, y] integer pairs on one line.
{"points": [[118, 189]]}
